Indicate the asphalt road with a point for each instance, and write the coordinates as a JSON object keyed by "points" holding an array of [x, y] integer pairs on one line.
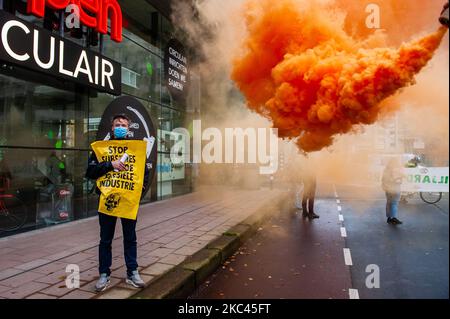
{"points": [[413, 258], [293, 258]]}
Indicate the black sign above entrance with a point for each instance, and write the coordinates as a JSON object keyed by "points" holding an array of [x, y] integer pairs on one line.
{"points": [[141, 128], [26, 45], [176, 68]]}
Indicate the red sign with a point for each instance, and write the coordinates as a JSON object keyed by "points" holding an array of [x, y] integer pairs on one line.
{"points": [[93, 13]]}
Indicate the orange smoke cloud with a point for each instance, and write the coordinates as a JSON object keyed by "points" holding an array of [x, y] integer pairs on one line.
{"points": [[302, 71]]}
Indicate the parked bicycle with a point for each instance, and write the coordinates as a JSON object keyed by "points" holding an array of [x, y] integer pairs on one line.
{"points": [[13, 212], [428, 197]]}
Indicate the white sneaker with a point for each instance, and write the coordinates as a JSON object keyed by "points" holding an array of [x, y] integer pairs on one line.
{"points": [[102, 283], [135, 280]]}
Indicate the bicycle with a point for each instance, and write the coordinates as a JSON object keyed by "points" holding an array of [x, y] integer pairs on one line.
{"points": [[13, 212], [428, 197], [431, 197]]}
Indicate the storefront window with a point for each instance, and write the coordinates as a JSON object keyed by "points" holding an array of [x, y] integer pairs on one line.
{"points": [[38, 115], [173, 177], [40, 187], [141, 69], [48, 125]]}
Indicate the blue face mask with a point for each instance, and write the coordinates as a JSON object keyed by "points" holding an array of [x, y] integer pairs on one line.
{"points": [[120, 132]]}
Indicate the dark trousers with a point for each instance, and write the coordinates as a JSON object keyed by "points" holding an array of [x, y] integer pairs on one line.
{"points": [[308, 204], [308, 198], [107, 228]]}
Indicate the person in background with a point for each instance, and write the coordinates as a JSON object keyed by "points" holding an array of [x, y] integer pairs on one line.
{"points": [[391, 183], [309, 193], [413, 162]]}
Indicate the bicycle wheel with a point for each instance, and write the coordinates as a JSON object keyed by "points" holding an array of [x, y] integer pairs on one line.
{"points": [[431, 197], [13, 213]]}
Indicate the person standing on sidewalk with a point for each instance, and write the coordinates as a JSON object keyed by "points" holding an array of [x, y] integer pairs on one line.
{"points": [[391, 183], [120, 126]]}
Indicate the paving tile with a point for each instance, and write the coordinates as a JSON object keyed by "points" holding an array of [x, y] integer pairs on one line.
{"points": [[4, 264], [51, 268], [9, 273], [118, 264], [196, 233], [117, 293], [120, 272], [79, 294], [146, 261], [6, 250], [4, 288], [164, 239], [148, 247], [208, 237], [59, 255], [35, 263], [173, 259], [53, 278], [157, 269], [21, 279], [58, 290], [23, 290], [198, 243], [40, 296], [88, 264], [89, 275], [160, 252], [77, 258], [186, 251]]}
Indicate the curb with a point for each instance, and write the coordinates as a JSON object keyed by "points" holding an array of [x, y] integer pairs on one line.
{"points": [[184, 278]]}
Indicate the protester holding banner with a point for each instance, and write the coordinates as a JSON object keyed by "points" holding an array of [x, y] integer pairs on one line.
{"points": [[392, 183], [118, 166]]}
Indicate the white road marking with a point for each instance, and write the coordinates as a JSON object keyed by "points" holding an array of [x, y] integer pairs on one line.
{"points": [[339, 209], [353, 293], [338, 201], [343, 232], [341, 217], [348, 257]]}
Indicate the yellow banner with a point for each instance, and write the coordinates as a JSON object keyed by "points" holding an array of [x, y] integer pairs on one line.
{"points": [[121, 191]]}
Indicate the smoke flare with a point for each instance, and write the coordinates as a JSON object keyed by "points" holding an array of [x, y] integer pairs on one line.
{"points": [[312, 80]]}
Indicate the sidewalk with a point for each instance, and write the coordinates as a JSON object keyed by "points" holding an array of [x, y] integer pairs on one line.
{"points": [[33, 265]]}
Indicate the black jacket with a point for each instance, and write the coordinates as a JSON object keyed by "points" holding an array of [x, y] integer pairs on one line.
{"points": [[95, 170]]}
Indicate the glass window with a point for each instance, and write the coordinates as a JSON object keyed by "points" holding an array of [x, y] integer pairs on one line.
{"points": [[143, 21], [141, 69], [174, 178], [41, 188], [36, 115]]}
